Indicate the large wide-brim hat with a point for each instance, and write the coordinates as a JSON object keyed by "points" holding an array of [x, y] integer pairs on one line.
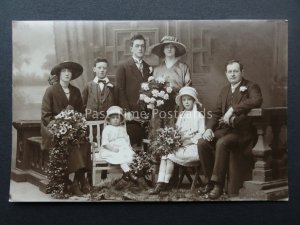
{"points": [[75, 68], [158, 49], [114, 110], [190, 91]]}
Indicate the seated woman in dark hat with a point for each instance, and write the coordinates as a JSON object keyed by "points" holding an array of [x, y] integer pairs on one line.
{"points": [[59, 96]]}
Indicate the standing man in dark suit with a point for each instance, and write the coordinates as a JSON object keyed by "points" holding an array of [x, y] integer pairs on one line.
{"points": [[229, 128], [129, 77]]}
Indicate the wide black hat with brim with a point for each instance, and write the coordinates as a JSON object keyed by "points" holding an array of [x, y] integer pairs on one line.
{"points": [[158, 49], [75, 68]]}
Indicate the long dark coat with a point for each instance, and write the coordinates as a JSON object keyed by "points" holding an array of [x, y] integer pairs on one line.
{"points": [[54, 101]]}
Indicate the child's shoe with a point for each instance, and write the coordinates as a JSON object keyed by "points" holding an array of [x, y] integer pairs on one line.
{"points": [[158, 188], [132, 177]]}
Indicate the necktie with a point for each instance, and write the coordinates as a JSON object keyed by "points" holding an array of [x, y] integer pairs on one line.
{"points": [[139, 66], [102, 81]]}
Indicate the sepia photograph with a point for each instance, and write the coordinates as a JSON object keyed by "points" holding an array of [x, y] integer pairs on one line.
{"points": [[149, 111]]}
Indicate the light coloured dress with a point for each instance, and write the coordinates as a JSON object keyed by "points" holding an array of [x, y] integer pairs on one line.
{"points": [[191, 122], [117, 136], [178, 75]]}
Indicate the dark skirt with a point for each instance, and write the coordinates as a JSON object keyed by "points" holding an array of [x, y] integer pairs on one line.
{"points": [[79, 158]]}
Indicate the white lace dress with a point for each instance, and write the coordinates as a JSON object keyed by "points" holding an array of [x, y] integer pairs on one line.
{"points": [[118, 137], [191, 122]]}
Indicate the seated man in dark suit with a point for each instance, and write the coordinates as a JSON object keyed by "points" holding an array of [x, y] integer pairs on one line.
{"points": [[229, 128]]}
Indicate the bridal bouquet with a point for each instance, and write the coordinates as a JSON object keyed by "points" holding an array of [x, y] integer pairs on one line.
{"points": [[156, 94], [69, 130], [142, 164], [165, 141]]}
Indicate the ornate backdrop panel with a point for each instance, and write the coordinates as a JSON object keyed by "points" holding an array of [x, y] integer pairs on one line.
{"points": [[261, 46]]}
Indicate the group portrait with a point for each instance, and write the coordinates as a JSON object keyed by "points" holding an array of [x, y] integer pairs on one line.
{"points": [[169, 110]]}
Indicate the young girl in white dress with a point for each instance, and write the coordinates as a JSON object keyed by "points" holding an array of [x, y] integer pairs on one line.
{"points": [[192, 125], [115, 145]]}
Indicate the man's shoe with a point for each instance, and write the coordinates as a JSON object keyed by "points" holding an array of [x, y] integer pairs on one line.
{"points": [[216, 192], [207, 188], [158, 188]]}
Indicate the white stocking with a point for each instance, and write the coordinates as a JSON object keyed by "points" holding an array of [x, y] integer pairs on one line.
{"points": [[125, 167], [162, 170], [169, 171]]}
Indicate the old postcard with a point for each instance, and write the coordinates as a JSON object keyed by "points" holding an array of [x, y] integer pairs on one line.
{"points": [[169, 110]]}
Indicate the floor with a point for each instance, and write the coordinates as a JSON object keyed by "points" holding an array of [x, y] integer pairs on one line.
{"points": [[26, 192]]}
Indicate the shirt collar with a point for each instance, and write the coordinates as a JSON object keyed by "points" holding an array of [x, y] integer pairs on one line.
{"points": [[96, 79], [136, 60]]}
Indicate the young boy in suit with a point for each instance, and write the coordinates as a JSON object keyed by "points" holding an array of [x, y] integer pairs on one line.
{"points": [[99, 94]]}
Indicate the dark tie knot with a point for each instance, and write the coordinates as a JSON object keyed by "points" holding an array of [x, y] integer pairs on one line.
{"points": [[102, 81]]}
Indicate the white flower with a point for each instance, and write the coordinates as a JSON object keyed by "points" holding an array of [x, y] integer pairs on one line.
{"points": [[147, 99], [161, 94], [150, 78], [145, 86], [142, 97], [169, 90], [150, 106], [150, 69], [152, 100], [160, 80], [159, 102], [63, 130], [243, 88], [110, 85], [155, 92], [166, 96]]}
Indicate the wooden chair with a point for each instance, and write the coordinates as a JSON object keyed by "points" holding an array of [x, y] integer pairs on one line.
{"points": [[98, 165], [184, 171]]}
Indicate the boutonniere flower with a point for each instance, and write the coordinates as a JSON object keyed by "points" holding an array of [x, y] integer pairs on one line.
{"points": [[243, 88], [110, 85], [150, 69]]}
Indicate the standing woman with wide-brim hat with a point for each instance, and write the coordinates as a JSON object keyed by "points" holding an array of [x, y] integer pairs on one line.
{"points": [[59, 96], [174, 71]]}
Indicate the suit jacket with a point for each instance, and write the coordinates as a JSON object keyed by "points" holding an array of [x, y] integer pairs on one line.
{"points": [[243, 102], [93, 104], [128, 81], [54, 101]]}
